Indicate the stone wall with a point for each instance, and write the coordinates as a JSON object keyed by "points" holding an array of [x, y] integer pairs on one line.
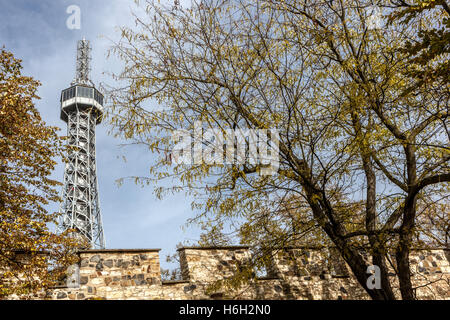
{"points": [[295, 273]]}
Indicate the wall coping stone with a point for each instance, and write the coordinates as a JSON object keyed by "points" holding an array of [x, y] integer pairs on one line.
{"points": [[332, 247], [237, 247], [231, 247], [117, 250]]}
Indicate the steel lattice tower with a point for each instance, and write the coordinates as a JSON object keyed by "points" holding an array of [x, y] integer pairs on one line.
{"points": [[82, 109]]}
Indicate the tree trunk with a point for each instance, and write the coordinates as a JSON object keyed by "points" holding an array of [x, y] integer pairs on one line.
{"points": [[404, 271], [406, 228]]}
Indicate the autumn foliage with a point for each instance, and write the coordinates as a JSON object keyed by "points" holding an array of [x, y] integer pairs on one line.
{"points": [[32, 257], [361, 109]]}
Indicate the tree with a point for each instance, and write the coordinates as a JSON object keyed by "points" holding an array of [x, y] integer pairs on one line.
{"points": [[31, 256], [361, 146], [428, 50]]}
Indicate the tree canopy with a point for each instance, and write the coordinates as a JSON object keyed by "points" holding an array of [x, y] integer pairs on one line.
{"points": [[363, 141]]}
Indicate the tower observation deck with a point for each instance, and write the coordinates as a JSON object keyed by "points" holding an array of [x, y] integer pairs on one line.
{"points": [[82, 109]]}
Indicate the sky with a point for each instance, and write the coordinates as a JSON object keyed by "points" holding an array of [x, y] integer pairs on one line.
{"points": [[36, 32]]}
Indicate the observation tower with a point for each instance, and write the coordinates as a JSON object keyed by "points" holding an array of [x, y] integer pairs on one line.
{"points": [[82, 109]]}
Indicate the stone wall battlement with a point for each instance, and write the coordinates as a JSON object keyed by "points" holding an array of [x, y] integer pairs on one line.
{"points": [[294, 273]]}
